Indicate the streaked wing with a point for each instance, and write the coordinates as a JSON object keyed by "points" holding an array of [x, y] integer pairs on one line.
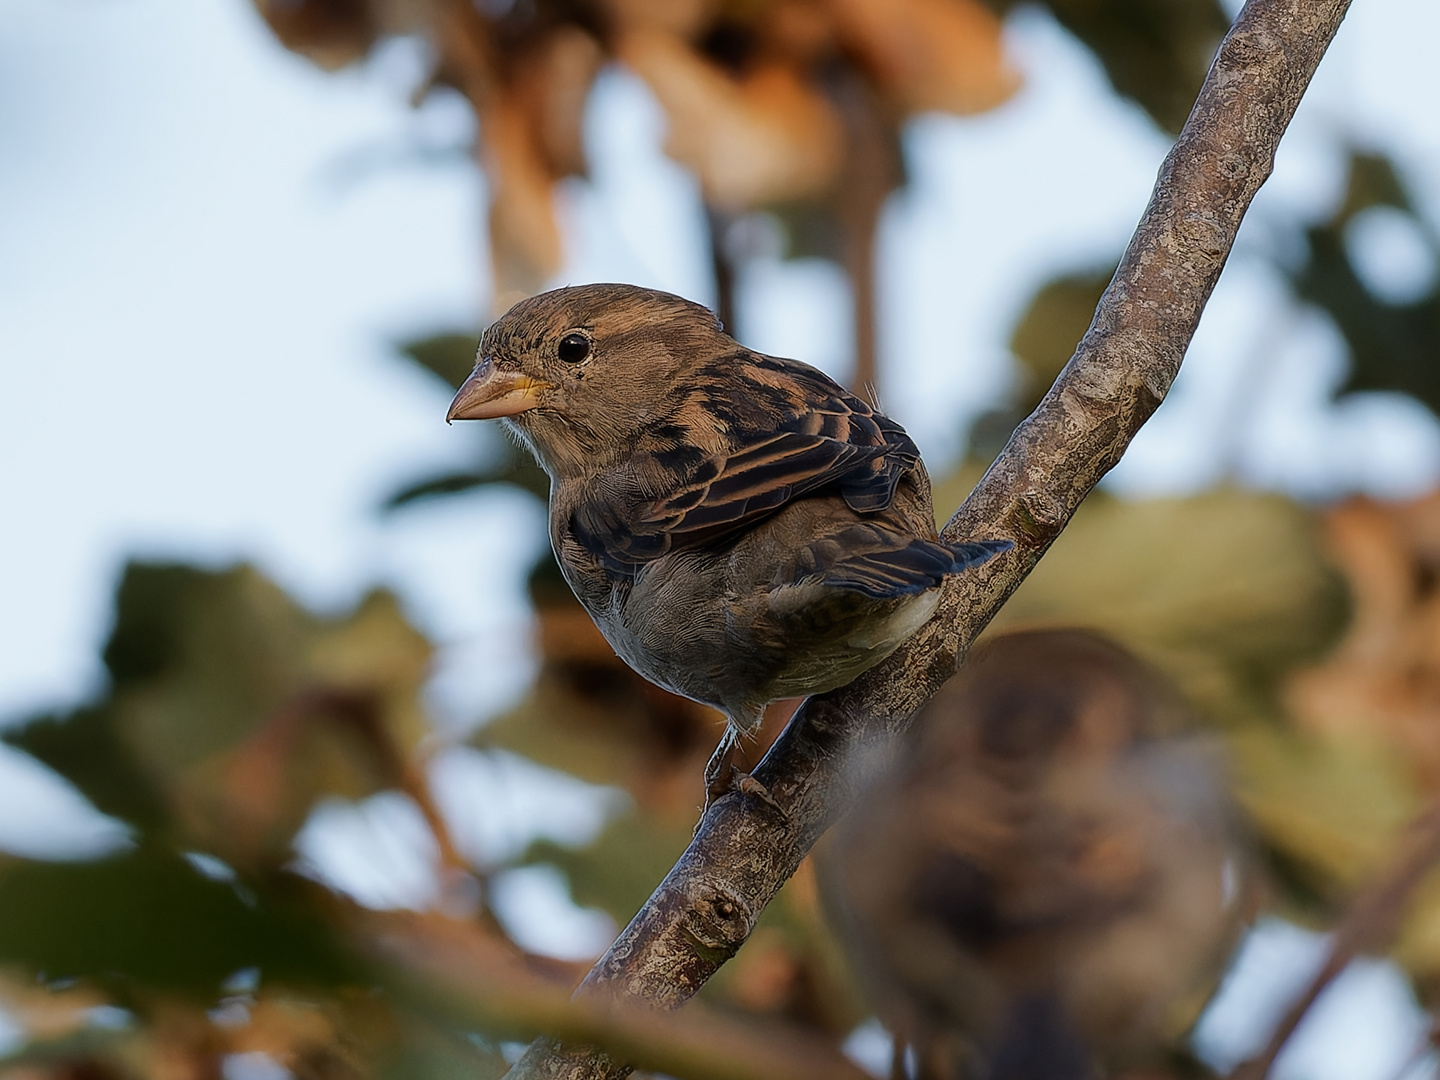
{"points": [[793, 432]]}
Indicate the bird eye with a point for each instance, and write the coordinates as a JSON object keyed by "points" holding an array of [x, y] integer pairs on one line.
{"points": [[574, 348]]}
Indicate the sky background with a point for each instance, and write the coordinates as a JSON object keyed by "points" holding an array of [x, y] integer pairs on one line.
{"points": [[208, 247]]}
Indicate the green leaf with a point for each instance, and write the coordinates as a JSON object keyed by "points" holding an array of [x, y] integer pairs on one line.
{"points": [[427, 1051], [86, 749], [151, 919], [450, 356], [232, 709], [1374, 181], [618, 871], [1392, 346], [1053, 324], [517, 469], [1225, 591], [1156, 52], [1042, 343]]}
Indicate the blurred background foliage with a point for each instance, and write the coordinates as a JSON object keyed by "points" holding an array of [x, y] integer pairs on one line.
{"points": [[1306, 635]]}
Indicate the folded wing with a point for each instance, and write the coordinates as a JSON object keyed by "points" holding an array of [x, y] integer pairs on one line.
{"points": [[793, 432]]}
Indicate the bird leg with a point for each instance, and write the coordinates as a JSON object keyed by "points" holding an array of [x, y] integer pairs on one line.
{"points": [[723, 776], [718, 768]]}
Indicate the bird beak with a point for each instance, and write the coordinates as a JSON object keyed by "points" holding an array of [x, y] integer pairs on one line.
{"points": [[490, 392]]}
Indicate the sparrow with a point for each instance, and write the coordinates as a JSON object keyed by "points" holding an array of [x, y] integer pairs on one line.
{"points": [[740, 528], [1047, 881]]}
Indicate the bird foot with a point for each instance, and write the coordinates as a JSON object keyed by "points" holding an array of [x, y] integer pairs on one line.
{"points": [[722, 776], [742, 783], [748, 785]]}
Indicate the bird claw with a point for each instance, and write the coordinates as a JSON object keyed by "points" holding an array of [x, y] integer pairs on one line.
{"points": [[748, 785], [723, 776], [741, 783]]}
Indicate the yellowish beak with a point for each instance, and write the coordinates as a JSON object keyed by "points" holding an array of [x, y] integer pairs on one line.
{"points": [[492, 392]]}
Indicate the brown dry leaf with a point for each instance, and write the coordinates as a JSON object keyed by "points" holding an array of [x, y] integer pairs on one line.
{"points": [[944, 55], [1379, 689], [759, 138], [1417, 947], [44, 1014], [683, 18], [524, 235], [330, 33], [1383, 682], [334, 33], [532, 132], [310, 1038], [555, 81]]}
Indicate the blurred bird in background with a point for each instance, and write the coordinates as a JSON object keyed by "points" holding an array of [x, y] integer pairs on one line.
{"points": [[740, 527], [1048, 881]]}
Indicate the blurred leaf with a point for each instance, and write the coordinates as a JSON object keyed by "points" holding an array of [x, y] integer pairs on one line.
{"points": [[430, 1052], [810, 230], [1373, 182], [232, 709], [1383, 681], [1042, 343], [86, 1054], [752, 137], [1225, 591], [448, 972], [531, 122], [1393, 346], [450, 356], [619, 870], [517, 469], [929, 55], [332, 33], [151, 919], [1336, 806], [1051, 328], [1156, 52], [86, 748]]}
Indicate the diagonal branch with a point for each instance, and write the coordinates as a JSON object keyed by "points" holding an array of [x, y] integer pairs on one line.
{"points": [[744, 851]]}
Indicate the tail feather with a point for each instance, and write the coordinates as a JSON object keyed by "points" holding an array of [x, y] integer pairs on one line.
{"points": [[912, 568], [974, 552]]}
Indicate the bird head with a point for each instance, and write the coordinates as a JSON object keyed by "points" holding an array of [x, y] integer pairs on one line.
{"points": [[577, 372]]}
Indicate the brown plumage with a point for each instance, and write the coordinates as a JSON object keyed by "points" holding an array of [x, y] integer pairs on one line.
{"points": [[1047, 882], [740, 527]]}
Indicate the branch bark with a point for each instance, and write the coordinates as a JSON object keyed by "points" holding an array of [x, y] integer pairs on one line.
{"points": [[744, 851]]}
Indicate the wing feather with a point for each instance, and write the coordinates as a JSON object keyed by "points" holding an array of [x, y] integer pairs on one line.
{"points": [[792, 432]]}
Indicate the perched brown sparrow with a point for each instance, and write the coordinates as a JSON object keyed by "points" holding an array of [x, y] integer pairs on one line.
{"points": [[740, 528], [1047, 882]]}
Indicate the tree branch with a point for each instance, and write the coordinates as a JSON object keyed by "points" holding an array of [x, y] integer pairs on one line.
{"points": [[744, 851], [1372, 920]]}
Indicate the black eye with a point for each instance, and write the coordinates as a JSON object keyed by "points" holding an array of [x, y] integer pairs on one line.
{"points": [[574, 348]]}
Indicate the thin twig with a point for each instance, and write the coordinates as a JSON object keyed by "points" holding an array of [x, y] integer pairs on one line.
{"points": [[744, 850], [450, 968], [1370, 923]]}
